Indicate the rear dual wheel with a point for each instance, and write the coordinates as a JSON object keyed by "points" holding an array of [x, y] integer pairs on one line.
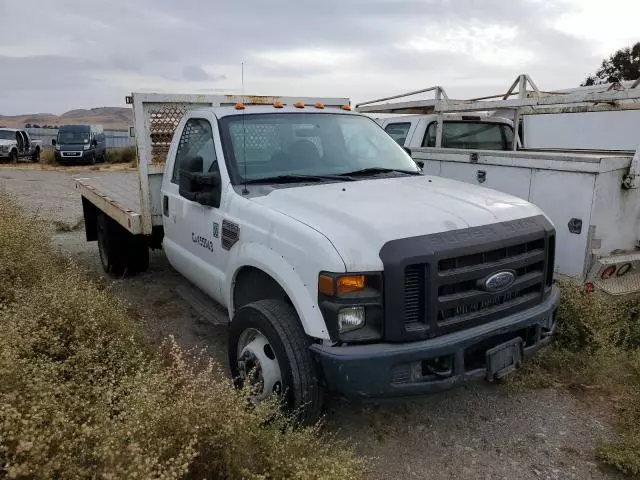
{"points": [[121, 253]]}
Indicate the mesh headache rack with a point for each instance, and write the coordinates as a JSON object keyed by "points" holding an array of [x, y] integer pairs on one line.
{"points": [[156, 117]]}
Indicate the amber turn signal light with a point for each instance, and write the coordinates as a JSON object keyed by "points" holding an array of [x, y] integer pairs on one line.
{"points": [[350, 283], [325, 285]]}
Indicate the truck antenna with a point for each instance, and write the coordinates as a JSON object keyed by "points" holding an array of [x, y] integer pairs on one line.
{"points": [[244, 136]]}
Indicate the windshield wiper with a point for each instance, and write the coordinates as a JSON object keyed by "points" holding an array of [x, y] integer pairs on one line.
{"points": [[299, 178], [375, 170]]}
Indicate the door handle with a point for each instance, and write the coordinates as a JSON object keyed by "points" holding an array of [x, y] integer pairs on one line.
{"points": [[165, 206]]}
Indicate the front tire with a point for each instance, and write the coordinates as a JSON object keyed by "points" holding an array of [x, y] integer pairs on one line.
{"points": [[269, 349], [35, 158], [13, 156]]}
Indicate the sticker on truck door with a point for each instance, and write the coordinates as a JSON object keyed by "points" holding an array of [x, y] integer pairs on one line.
{"points": [[202, 241]]}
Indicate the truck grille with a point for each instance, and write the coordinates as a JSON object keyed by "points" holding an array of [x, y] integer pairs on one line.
{"points": [[457, 292]]}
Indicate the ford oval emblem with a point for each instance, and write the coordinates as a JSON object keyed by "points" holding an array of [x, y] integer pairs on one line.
{"points": [[499, 281]]}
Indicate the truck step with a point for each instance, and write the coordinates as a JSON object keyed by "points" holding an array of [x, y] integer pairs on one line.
{"points": [[202, 304]]}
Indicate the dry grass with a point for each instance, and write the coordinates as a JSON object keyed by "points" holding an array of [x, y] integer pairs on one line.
{"points": [[47, 157], [82, 395], [64, 227], [597, 349], [122, 155]]}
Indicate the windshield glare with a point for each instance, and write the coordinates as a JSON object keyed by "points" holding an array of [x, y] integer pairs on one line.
{"points": [[7, 135], [268, 145], [73, 136]]}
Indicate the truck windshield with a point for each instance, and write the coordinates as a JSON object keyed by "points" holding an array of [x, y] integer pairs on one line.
{"points": [[270, 145], [7, 135], [73, 136], [469, 134]]}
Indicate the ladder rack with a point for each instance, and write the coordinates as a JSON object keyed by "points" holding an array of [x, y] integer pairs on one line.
{"points": [[529, 100]]}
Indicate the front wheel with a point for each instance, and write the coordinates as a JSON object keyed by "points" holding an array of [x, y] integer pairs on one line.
{"points": [[269, 350], [35, 158], [13, 156]]}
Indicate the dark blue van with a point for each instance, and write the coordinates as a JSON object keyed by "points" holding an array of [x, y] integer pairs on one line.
{"points": [[80, 144]]}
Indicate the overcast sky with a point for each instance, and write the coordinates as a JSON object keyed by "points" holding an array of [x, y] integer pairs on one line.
{"points": [[64, 54]]}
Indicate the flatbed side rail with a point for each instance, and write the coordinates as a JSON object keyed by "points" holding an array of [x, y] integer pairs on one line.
{"points": [[129, 219]]}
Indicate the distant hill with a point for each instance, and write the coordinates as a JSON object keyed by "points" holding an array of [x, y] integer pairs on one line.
{"points": [[111, 118]]}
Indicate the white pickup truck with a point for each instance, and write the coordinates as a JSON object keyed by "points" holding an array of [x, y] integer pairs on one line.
{"points": [[553, 160], [342, 266], [15, 144]]}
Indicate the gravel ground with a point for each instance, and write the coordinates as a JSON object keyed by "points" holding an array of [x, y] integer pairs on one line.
{"points": [[478, 432]]}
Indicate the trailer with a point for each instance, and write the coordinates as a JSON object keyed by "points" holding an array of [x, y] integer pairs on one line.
{"points": [[591, 196]]}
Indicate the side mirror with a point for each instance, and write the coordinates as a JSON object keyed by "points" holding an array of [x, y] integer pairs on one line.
{"points": [[53, 142], [203, 188]]}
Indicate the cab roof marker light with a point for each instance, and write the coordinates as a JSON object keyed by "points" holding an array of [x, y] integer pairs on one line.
{"points": [[240, 106], [320, 105], [278, 104], [299, 104], [346, 107]]}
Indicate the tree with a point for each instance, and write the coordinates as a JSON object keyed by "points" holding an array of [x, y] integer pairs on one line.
{"points": [[622, 65]]}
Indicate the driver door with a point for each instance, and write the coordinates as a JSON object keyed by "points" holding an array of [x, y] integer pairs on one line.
{"points": [[191, 230]]}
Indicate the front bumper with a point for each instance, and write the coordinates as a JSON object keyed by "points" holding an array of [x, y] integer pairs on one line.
{"points": [[397, 369], [61, 158]]}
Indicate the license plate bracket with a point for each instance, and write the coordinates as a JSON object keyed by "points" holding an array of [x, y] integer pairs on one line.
{"points": [[504, 358]]}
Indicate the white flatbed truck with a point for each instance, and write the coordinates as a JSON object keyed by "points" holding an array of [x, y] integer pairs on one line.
{"points": [[341, 264], [591, 196]]}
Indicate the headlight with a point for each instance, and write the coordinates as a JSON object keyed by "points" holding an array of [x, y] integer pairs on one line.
{"points": [[350, 318], [86, 147], [352, 305], [57, 146], [4, 148]]}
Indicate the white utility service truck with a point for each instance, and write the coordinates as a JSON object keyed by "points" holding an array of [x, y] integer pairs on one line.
{"points": [[341, 264], [591, 196]]}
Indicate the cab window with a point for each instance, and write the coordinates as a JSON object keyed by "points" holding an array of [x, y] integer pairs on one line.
{"points": [[196, 141], [468, 134], [398, 131]]}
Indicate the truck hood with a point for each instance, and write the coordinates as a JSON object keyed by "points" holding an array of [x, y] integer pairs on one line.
{"points": [[359, 217]]}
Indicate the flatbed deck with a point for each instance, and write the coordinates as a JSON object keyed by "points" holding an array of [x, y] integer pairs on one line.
{"points": [[117, 194]]}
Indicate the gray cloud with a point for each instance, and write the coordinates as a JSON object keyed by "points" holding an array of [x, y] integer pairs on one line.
{"points": [[89, 54], [195, 73]]}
